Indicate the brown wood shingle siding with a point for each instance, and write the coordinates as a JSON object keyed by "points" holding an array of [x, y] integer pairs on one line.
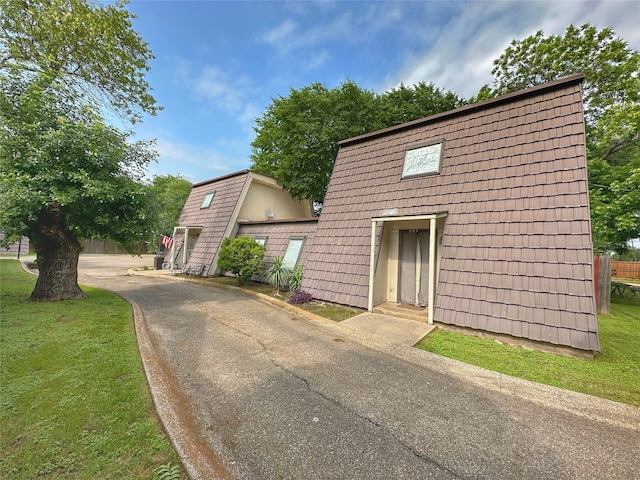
{"points": [[516, 254], [278, 235], [213, 220]]}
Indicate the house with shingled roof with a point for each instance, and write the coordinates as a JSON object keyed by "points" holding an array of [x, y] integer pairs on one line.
{"points": [[475, 218], [479, 215], [217, 208]]}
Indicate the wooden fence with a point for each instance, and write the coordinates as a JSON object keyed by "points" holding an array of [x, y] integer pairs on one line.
{"points": [[602, 278], [625, 269], [90, 245], [21, 247]]}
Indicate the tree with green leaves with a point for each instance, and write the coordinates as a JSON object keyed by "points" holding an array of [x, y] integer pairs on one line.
{"points": [[297, 136], [169, 193], [65, 173], [403, 104], [89, 47], [612, 116]]}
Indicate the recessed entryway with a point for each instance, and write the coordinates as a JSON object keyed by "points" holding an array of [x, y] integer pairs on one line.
{"points": [[405, 261]]}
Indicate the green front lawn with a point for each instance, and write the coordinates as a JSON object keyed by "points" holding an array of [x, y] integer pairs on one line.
{"points": [[614, 373], [74, 402]]}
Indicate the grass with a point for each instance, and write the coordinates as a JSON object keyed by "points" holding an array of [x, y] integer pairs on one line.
{"points": [[334, 312], [614, 373], [74, 402]]}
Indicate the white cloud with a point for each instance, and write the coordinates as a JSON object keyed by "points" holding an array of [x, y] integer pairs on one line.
{"points": [[192, 161], [181, 69], [352, 27], [249, 113], [622, 16], [223, 90], [461, 58], [316, 61], [281, 33], [289, 36]]}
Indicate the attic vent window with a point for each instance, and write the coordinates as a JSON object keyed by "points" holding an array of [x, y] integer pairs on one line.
{"points": [[422, 160], [207, 200]]}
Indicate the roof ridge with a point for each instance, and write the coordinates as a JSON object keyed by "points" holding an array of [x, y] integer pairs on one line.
{"points": [[508, 97], [231, 175]]}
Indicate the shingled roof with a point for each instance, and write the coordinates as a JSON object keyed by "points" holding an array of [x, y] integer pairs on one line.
{"points": [[238, 197], [516, 251], [214, 221]]}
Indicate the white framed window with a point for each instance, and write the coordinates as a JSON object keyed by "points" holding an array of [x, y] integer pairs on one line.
{"points": [[206, 201], [422, 160], [261, 240], [294, 248]]}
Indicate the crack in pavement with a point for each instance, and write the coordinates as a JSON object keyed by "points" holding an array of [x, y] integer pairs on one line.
{"points": [[274, 361], [351, 411]]}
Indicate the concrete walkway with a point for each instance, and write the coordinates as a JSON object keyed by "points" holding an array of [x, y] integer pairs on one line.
{"points": [[250, 390], [387, 328], [394, 330]]}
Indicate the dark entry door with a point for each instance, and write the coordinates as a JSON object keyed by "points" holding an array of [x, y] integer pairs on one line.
{"points": [[413, 268]]}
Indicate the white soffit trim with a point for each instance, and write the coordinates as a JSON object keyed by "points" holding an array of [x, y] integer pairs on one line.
{"points": [[410, 217]]}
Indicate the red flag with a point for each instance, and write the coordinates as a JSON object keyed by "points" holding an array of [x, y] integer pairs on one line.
{"points": [[167, 241]]}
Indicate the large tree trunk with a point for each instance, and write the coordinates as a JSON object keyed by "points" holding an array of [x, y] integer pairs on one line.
{"points": [[58, 250]]}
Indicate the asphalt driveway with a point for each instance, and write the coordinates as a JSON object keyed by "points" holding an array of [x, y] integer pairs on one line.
{"points": [[248, 390]]}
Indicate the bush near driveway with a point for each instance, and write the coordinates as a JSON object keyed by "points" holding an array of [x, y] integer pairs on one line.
{"points": [[241, 256]]}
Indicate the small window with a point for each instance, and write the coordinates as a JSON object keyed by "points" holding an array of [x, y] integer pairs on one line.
{"points": [[207, 200], [261, 240], [293, 252], [422, 160]]}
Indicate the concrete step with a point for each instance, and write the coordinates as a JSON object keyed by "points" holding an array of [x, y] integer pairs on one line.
{"points": [[409, 312]]}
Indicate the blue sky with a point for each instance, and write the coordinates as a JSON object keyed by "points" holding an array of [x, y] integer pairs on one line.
{"points": [[218, 64]]}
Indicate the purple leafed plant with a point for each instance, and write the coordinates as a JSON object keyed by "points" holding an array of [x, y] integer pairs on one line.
{"points": [[299, 296]]}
